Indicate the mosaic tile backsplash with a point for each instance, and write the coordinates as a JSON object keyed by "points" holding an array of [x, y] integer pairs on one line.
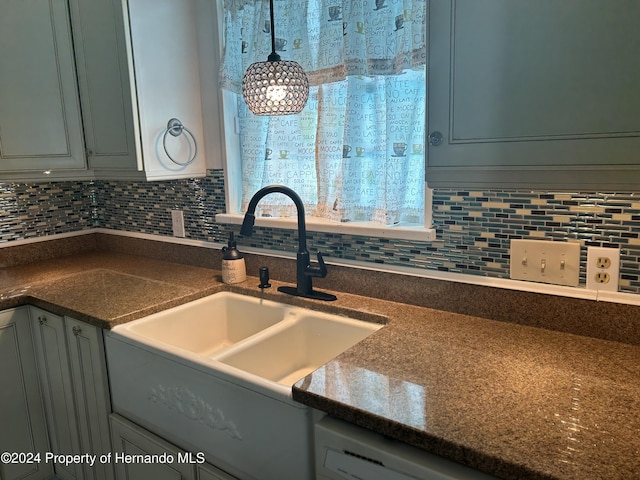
{"points": [[473, 228], [36, 210]]}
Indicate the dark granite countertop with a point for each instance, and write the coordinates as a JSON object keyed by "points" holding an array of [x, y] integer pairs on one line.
{"points": [[511, 400]]}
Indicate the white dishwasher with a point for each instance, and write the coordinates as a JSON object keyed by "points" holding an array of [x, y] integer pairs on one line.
{"points": [[346, 451]]}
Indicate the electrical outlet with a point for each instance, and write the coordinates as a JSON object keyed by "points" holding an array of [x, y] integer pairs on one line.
{"points": [[603, 268], [177, 222], [545, 261]]}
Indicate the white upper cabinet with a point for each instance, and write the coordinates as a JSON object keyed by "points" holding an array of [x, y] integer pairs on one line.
{"points": [[534, 94], [103, 81], [139, 69], [40, 120], [163, 61], [109, 75]]}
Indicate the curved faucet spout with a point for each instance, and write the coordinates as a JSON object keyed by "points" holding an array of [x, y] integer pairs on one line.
{"points": [[249, 217], [304, 270]]}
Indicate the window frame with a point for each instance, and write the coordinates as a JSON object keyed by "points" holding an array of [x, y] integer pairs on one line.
{"points": [[232, 165]]}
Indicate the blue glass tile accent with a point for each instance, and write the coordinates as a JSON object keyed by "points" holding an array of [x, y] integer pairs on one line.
{"points": [[473, 228]]}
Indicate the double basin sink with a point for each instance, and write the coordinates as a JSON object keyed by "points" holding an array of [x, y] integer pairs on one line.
{"points": [[260, 340], [215, 376]]}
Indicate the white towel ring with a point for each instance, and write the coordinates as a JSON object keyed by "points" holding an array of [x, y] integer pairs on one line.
{"points": [[175, 128]]}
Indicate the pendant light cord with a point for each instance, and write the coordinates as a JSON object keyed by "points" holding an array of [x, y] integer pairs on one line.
{"points": [[273, 57]]}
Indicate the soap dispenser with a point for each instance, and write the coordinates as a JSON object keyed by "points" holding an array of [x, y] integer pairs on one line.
{"points": [[233, 267]]}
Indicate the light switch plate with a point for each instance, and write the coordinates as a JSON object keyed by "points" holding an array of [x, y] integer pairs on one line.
{"points": [[177, 223], [545, 261]]}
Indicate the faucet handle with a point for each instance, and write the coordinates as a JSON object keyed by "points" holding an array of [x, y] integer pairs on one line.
{"points": [[320, 271], [322, 266]]}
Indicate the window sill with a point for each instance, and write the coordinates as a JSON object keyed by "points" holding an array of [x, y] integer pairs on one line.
{"points": [[313, 224]]}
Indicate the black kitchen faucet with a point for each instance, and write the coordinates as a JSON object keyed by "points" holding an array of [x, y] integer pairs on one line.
{"points": [[304, 271]]}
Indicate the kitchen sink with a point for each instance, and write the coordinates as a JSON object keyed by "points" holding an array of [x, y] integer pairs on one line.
{"points": [[299, 346], [207, 325], [215, 376], [260, 339]]}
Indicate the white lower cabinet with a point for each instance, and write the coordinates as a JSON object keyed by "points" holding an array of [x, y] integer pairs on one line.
{"points": [[72, 371], [209, 472], [22, 421], [91, 388], [57, 390], [139, 454]]}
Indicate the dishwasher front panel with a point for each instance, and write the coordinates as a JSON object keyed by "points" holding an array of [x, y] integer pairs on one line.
{"points": [[346, 451]]}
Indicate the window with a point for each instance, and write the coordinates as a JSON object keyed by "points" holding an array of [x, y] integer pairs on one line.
{"points": [[355, 154]]}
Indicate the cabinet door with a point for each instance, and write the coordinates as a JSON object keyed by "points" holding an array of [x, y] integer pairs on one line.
{"points": [[130, 439], [162, 45], [103, 79], [57, 389], [537, 94], [206, 471], [91, 394], [40, 121], [21, 409]]}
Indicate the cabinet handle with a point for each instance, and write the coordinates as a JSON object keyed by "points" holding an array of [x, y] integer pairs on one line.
{"points": [[435, 138], [76, 331], [42, 319]]}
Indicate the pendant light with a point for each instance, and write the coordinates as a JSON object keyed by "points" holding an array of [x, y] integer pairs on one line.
{"points": [[275, 87]]}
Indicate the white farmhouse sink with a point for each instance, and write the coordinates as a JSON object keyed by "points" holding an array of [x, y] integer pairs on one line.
{"points": [[207, 325], [297, 347], [276, 342], [215, 376]]}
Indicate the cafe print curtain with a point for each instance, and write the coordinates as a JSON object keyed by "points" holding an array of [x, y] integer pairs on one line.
{"points": [[356, 152]]}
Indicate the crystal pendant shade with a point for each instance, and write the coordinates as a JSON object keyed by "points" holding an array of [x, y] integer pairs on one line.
{"points": [[275, 87]]}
